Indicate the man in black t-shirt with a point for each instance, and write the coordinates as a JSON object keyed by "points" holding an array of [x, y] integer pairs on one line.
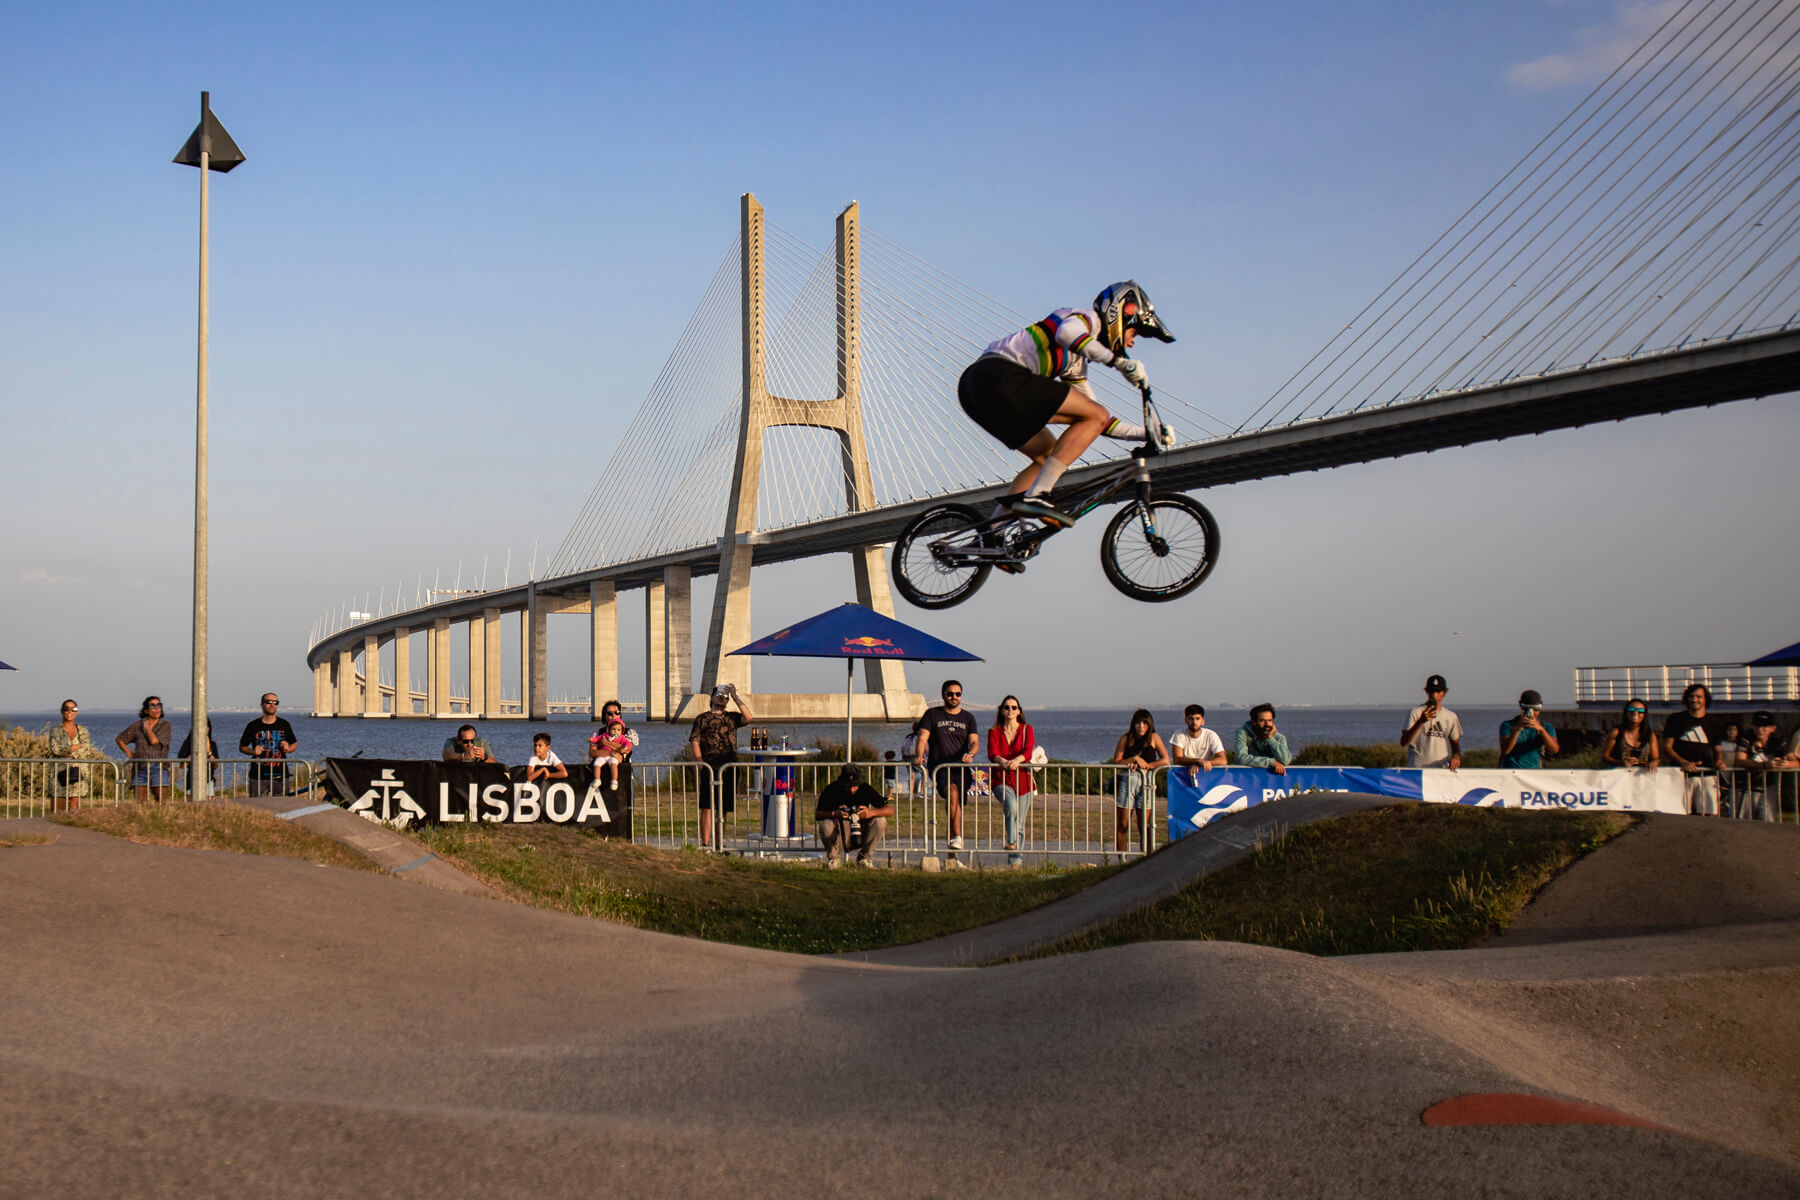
{"points": [[948, 734], [1692, 739], [269, 736]]}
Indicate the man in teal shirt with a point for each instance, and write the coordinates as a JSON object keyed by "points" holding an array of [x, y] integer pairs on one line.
{"points": [[1260, 744], [1525, 739]]}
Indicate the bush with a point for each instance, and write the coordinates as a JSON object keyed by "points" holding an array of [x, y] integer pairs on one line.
{"points": [[18, 742], [1328, 754]]}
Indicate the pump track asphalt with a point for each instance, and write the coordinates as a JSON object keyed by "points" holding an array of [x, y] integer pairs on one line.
{"points": [[186, 1023]]}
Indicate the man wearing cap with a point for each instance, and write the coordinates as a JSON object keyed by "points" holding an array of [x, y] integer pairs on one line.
{"points": [[1756, 753], [1525, 739], [1433, 734], [846, 804], [713, 741]]}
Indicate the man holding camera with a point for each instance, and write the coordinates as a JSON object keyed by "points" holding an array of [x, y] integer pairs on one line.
{"points": [[1525, 739], [1433, 734], [849, 807]]}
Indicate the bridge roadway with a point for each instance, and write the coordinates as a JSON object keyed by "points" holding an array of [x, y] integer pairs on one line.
{"points": [[1667, 381]]}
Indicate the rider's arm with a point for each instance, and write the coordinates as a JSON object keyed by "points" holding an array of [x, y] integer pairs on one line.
{"points": [[1075, 335]]}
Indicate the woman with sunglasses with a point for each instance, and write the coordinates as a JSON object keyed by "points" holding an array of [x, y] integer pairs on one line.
{"points": [[1010, 743], [146, 742], [1630, 743], [69, 785]]}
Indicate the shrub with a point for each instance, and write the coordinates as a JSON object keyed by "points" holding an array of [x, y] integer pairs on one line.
{"points": [[1328, 754]]}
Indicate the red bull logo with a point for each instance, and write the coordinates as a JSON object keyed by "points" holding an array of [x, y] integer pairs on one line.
{"points": [[870, 645]]}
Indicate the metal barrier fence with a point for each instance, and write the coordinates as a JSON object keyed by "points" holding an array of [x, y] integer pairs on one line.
{"points": [[1069, 810], [665, 802], [1760, 795], [35, 787]]}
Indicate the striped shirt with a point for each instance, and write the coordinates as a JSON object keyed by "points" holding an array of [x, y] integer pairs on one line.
{"points": [[1057, 346]]}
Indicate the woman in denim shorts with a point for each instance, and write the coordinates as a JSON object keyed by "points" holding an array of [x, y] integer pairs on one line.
{"points": [[1141, 749]]}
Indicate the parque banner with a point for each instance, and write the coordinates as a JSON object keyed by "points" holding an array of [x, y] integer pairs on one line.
{"points": [[1196, 796], [1632, 791], [403, 792]]}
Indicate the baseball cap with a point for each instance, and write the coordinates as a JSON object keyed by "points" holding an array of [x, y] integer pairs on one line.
{"points": [[1762, 716], [1437, 683], [850, 774], [1530, 697]]}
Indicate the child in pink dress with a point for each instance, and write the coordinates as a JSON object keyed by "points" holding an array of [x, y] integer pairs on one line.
{"points": [[614, 744]]}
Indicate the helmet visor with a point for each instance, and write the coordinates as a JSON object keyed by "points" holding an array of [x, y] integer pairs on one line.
{"points": [[1148, 325]]}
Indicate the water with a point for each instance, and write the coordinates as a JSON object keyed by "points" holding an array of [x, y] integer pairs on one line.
{"points": [[1080, 734]]}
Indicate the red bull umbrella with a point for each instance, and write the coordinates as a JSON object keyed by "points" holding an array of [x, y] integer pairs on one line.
{"points": [[850, 632]]}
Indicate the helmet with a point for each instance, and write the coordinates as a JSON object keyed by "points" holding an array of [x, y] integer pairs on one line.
{"points": [[1124, 306]]}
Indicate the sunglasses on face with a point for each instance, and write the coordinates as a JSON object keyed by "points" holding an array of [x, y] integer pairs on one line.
{"points": [[465, 741], [1634, 710], [953, 695], [1009, 708]]}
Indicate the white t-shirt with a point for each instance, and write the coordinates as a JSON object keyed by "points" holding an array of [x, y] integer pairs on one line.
{"points": [[1202, 745], [549, 760], [1430, 747]]}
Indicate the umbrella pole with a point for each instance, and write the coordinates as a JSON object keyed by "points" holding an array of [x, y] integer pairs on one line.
{"points": [[849, 717]]}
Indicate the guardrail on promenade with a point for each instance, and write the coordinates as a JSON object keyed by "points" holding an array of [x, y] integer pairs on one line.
{"points": [[36, 787], [1067, 812], [1730, 683]]}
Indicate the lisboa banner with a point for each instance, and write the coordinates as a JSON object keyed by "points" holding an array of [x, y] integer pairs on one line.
{"points": [[403, 792], [1197, 797]]}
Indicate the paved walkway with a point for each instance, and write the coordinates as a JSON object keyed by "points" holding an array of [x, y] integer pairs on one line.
{"points": [[187, 1023]]}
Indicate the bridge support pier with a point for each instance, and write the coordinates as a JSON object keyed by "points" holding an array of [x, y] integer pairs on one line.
{"points": [[437, 668], [537, 682], [403, 672], [490, 657], [603, 612], [322, 691], [371, 705], [656, 663], [477, 666], [347, 700], [678, 651]]}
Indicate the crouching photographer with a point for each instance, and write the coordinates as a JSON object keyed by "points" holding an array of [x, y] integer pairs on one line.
{"points": [[851, 816]]}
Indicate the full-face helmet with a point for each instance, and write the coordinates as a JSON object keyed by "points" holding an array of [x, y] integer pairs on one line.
{"points": [[1124, 306]]}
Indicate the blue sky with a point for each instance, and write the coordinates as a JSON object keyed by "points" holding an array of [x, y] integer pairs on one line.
{"points": [[466, 237]]}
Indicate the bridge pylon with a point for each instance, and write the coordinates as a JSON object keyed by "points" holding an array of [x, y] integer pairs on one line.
{"points": [[886, 696]]}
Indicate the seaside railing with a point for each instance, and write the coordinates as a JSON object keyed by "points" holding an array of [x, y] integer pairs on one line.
{"points": [[36, 787], [1730, 683]]}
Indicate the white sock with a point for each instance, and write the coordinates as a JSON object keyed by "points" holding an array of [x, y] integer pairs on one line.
{"points": [[1047, 476]]}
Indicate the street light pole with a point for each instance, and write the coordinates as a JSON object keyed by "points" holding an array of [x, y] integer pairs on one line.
{"points": [[211, 149]]}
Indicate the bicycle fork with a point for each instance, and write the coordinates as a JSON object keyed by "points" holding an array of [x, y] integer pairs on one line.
{"points": [[1157, 545]]}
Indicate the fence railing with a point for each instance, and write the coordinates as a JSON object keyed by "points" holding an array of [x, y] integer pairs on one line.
{"points": [[1730, 683], [1750, 794], [35, 787], [1066, 811]]}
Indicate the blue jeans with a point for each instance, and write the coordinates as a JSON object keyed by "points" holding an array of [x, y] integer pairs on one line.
{"points": [[1017, 807]]}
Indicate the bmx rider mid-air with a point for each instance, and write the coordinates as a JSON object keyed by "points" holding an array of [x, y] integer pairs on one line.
{"points": [[1037, 377]]}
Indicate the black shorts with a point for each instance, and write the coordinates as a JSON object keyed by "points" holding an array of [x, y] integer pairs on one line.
{"points": [[1008, 401]]}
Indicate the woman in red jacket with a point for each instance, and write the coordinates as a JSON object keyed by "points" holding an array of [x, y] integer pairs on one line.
{"points": [[1010, 743]]}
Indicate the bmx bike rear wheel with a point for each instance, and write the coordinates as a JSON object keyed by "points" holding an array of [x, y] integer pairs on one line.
{"points": [[938, 580]]}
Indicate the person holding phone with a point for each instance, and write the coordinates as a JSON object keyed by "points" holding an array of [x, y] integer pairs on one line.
{"points": [[468, 747], [1433, 734], [1526, 738]]}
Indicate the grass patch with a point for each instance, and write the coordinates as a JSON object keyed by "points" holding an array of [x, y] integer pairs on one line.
{"points": [[216, 826], [771, 905], [8, 841], [1409, 877]]}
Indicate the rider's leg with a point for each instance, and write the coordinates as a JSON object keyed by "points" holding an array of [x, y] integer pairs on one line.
{"points": [[1037, 450], [1086, 419]]}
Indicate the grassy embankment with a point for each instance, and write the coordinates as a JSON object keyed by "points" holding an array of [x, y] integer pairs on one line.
{"points": [[215, 826], [1409, 877]]}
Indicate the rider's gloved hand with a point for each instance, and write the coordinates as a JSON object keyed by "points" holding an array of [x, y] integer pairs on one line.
{"points": [[1166, 435], [1134, 372]]}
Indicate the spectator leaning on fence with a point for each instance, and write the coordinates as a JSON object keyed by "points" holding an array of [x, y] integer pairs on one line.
{"points": [[467, 747], [1141, 750], [1526, 738], [146, 742], [1433, 734], [948, 734], [269, 739], [1630, 743], [1010, 743], [1260, 744], [1757, 754], [1196, 747], [69, 786], [1692, 739], [848, 811], [543, 765]]}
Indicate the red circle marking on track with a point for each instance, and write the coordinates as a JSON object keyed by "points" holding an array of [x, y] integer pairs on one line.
{"points": [[1515, 1108]]}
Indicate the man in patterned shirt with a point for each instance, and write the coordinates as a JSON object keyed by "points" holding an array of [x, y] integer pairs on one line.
{"points": [[713, 741], [1038, 377]]}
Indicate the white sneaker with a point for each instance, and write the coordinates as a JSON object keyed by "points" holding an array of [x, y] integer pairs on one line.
{"points": [[614, 785], [956, 843], [955, 864]]}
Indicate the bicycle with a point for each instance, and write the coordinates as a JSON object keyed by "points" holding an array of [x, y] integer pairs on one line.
{"points": [[1159, 547]]}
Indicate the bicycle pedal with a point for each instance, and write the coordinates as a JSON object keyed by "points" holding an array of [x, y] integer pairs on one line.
{"points": [[1012, 568]]}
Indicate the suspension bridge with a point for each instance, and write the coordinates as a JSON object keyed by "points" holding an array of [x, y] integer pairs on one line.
{"points": [[1640, 259]]}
